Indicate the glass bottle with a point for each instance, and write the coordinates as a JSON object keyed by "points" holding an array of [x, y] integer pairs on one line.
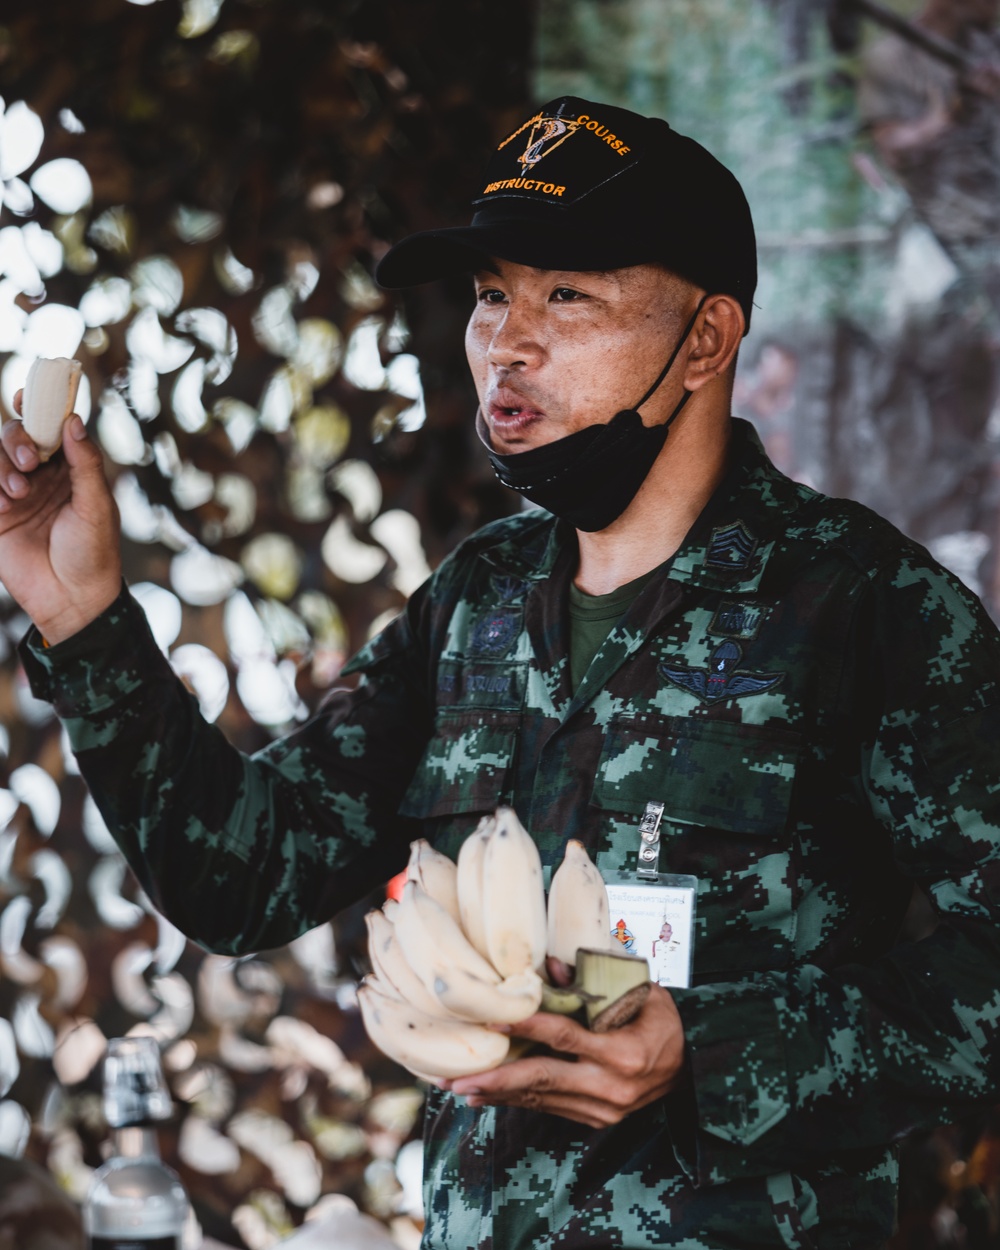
{"points": [[135, 1201]]}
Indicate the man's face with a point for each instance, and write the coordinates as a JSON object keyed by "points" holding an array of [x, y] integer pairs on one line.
{"points": [[552, 351]]}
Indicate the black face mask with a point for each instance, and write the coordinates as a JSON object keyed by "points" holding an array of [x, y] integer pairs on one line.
{"points": [[589, 478]]}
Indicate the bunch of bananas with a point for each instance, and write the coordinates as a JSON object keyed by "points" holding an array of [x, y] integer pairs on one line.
{"points": [[466, 946]]}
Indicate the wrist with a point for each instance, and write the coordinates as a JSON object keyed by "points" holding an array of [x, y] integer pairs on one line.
{"points": [[77, 616]]}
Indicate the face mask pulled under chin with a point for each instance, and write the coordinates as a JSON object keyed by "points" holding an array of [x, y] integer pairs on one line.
{"points": [[588, 478]]}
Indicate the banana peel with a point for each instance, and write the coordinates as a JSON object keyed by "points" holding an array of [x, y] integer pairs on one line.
{"points": [[609, 990]]}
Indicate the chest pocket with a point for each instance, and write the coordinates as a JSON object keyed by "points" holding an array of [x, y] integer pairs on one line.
{"points": [[465, 772], [736, 776], [727, 793], [467, 765], [467, 768]]}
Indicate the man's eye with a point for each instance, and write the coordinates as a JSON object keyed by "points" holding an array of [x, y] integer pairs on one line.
{"points": [[490, 295], [566, 294]]}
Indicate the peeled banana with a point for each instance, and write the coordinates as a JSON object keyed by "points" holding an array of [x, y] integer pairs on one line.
{"points": [[49, 395], [578, 906]]}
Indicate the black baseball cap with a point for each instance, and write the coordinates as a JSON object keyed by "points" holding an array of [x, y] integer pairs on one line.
{"points": [[582, 185]]}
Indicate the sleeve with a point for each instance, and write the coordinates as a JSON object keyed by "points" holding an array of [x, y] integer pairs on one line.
{"points": [[241, 852], [792, 1067]]}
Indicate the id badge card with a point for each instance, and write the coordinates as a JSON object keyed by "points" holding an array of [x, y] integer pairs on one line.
{"points": [[654, 918]]}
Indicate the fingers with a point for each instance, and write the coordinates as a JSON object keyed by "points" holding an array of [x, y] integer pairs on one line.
{"points": [[14, 485], [19, 457], [586, 1092], [531, 1082], [540, 1080], [657, 1022], [611, 1074], [558, 1033], [20, 450]]}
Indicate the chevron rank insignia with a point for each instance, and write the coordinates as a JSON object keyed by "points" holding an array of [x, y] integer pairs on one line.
{"points": [[721, 679], [731, 547]]}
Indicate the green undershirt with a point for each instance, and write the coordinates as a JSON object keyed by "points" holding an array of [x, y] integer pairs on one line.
{"points": [[591, 618]]}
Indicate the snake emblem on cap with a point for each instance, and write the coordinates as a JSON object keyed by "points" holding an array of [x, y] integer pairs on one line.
{"points": [[545, 136]]}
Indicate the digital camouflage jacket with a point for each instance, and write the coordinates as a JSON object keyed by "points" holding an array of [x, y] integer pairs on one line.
{"points": [[816, 703]]}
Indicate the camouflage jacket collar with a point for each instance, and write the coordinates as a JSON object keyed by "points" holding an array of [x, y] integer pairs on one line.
{"points": [[726, 549]]}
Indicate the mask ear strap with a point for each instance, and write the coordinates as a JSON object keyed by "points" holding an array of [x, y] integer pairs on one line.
{"points": [[670, 363]]}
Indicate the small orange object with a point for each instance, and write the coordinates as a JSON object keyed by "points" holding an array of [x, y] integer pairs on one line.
{"points": [[394, 889]]}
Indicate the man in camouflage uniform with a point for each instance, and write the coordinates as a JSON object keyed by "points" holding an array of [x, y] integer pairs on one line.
{"points": [[813, 701]]}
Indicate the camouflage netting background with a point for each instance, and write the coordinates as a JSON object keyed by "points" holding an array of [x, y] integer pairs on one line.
{"points": [[194, 196]]}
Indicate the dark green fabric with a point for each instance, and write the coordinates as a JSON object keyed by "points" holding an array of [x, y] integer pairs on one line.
{"points": [[591, 618], [817, 705]]}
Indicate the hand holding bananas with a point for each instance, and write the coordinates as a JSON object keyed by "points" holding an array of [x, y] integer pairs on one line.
{"points": [[59, 551], [468, 946], [604, 1076]]}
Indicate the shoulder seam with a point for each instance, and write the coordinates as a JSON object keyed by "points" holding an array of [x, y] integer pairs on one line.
{"points": [[870, 551]]}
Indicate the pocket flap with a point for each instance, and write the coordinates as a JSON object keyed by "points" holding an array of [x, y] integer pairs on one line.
{"points": [[466, 767], [722, 774]]}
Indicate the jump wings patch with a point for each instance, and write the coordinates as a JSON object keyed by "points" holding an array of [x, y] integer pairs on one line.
{"points": [[722, 679]]}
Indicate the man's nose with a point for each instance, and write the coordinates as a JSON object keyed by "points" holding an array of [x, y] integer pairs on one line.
{"points": [[515, 341]]}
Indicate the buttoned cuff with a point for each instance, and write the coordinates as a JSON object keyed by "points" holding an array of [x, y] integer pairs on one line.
{"points": [[96, 667], [728, 1122]]}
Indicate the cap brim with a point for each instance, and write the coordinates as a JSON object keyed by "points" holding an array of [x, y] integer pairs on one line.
{"points": [[433, 254], [429, 255]]}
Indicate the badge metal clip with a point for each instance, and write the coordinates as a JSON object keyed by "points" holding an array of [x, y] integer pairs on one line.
{"points": [[649, 843]]}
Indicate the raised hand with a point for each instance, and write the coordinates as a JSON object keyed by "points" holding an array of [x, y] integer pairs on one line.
{"points": [[59, 531]]}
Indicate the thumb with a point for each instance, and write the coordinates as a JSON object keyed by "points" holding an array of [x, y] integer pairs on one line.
{"points": [[86, 466]]}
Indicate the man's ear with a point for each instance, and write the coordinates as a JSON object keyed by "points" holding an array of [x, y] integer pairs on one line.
{"points": [[715, 340]]}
